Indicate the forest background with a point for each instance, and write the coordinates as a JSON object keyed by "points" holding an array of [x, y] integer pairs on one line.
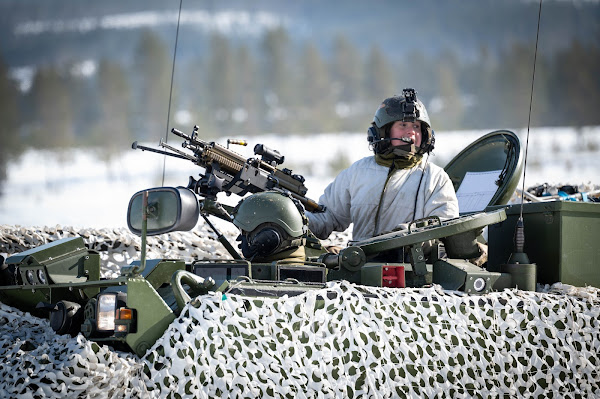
{"points": [[86, 73]]}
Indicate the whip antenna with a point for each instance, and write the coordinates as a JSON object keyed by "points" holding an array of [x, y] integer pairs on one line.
{"points": [[171, 90], [524, 273], [537, 35]]}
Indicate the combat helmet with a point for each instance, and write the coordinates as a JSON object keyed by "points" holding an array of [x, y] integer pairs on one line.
{"points": [[400, 108], [270, 222]]}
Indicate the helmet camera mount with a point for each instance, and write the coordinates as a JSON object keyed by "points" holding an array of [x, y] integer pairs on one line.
{"points": [[410, 113]]}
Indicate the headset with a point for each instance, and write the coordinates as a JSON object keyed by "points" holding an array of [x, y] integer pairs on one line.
{"points": [[263, 243]]}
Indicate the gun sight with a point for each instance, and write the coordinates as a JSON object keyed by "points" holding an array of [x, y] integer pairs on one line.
{"points": [[268, 155]]}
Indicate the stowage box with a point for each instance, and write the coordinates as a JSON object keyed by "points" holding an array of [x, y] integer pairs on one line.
{"points": [[561, 237]]}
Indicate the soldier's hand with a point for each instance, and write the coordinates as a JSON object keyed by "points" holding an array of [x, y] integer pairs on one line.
{"points": [[483, 255], [334, 249]]}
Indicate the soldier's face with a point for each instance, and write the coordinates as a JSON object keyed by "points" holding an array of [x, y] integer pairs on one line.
{"points": [[411, 130]]}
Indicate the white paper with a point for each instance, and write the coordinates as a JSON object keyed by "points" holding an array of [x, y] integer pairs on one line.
{"points": [[476, 190]]}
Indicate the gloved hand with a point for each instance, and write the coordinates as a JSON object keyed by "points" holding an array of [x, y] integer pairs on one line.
{"points": [[483, 255]]}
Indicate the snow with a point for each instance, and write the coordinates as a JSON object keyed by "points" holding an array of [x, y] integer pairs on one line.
{"points": [[77, 187]]}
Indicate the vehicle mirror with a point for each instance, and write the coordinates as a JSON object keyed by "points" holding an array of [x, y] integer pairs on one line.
{"points": [[169, 209]]}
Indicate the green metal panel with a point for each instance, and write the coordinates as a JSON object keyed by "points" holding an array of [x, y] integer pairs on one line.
{"points": [[63, 261], [46, 252], [159, 271], [460, 274], [403, 238], [561, 237], [153, 315]]}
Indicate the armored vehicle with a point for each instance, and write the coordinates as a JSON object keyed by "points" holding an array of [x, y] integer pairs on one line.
{"points": [[62, 279]]}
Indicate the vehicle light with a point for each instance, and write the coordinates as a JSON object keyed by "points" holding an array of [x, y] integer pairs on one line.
{"points": [[125, 314], [125, 322], [479, 284], [29, 274], [41, 276], [105, 318]]}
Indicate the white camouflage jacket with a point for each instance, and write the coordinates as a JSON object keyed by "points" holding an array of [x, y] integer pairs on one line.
{"points": [[354, 197]]}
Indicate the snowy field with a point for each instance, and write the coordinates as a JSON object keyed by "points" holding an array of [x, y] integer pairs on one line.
{"points": [[80, 188]]}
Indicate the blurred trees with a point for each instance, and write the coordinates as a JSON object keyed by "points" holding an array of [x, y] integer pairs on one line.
{"points": [[379, 77], [52, 110], [315, 102], [10, 141], [277, 79], [113, 126], [152, 81]]}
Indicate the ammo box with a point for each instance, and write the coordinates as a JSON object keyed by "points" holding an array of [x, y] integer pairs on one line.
{"points": [[561, 237]]}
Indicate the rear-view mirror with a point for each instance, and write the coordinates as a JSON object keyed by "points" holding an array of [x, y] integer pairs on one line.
{"points": [[169, 209]]}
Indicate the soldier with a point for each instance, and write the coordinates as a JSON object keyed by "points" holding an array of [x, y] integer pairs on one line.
{"points": [[273, 227], [396, 185]]}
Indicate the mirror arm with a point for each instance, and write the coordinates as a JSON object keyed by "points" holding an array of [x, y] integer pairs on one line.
{"points": [[137, 270], [223, 240]]}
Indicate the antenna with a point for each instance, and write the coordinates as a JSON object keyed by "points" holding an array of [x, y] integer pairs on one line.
{"points": [[523, 272], [171, 90], [537, 35]]}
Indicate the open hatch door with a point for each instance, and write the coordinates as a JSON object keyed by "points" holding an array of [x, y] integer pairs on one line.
{"points": [[487, 171]]}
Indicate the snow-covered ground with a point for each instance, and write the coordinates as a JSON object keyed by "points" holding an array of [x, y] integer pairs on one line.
{"points": [[80, 188]]}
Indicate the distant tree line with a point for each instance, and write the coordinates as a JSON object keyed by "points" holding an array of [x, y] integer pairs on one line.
{"points": [[284, 87]]}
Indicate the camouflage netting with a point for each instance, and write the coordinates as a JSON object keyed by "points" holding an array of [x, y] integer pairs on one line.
{"points": [[376, 342], [118, 246], [342, 341], [38, 363]]}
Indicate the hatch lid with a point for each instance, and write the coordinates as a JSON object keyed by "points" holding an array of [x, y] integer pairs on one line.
{"points": [[494, 163]]}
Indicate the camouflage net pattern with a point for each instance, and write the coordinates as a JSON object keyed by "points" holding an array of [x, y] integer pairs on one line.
{"points": [[352, 341], [38, 363], [118, 247], [342, 341]]}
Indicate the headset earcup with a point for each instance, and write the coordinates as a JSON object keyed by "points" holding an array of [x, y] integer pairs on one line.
{"points": [[372, 134], [431, 144], [428, 146], [264, 243]]}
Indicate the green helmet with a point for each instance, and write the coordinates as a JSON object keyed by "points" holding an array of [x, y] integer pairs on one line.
{"points": [[270, 222], [400, 108], [269, 207]]}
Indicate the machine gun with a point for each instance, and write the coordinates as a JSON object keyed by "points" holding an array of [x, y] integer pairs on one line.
{"points": [[229, 172]]}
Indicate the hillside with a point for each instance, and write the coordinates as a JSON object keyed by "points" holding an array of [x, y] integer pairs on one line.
{"points": [[37, 32]]}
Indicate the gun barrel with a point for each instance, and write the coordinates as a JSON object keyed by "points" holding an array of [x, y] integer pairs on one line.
{"points": [[309, 204], [180, 134], [136, 146]]}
